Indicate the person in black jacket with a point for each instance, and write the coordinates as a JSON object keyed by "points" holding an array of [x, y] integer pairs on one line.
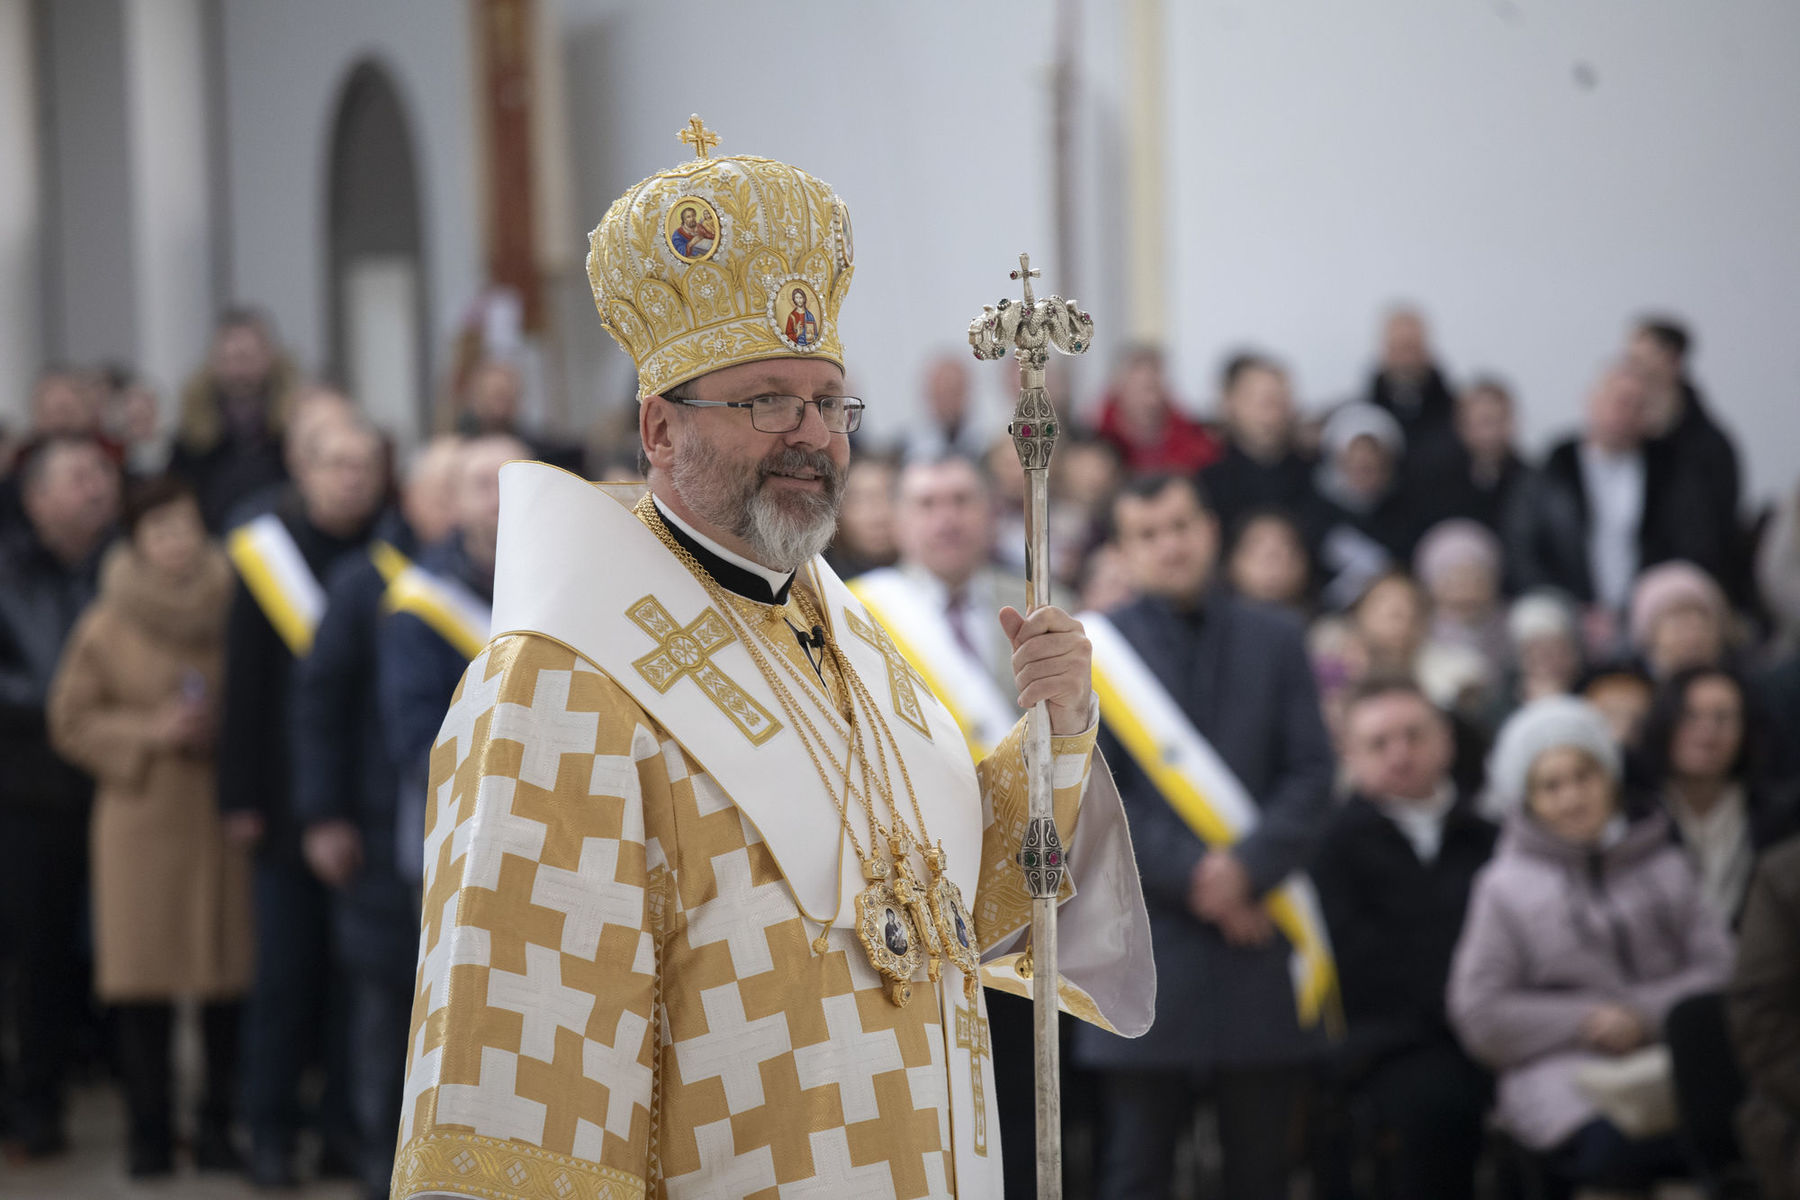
{"points": [[1585, 523], [1261, 468], [234, 413], [346, 793], [1227, 1027], [49, 563], [1394, 873], [421, 662], [282, 559], [1410, 386], [1363, 519], [1691, 458], [1482, 471], [1702, 758]]}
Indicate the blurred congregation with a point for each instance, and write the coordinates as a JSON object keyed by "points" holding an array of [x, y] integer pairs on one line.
{"points": [[1527, 725], [1460, 735]]}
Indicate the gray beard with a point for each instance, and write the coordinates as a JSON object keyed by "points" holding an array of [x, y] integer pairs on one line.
{"points": [[781, 536]]}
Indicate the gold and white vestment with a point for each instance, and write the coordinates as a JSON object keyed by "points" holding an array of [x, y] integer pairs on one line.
{"points": [[638, 971]]}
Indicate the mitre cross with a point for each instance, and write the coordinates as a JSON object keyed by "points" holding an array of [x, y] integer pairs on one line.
{"points": [[698, 136]]}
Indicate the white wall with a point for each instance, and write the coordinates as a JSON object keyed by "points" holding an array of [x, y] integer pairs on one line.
{"points": [[1336, 156], [285, 65], [930, 120], [1326, 159]]}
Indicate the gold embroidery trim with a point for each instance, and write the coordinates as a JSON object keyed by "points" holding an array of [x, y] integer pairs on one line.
{"points": [[658, 899], [465, 1164], [972, 1035], [1010, 974], [686, 651], [900, 672]]}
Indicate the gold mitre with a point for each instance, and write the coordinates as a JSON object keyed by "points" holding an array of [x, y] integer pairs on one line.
{"points": [[721, 261]]}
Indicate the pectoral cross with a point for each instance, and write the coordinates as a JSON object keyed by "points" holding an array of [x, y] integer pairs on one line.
{"points": [[698, 136], [900, 672], [972, 1035], [686, 653]]}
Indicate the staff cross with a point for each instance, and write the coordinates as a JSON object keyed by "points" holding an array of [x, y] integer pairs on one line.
{"points": [[900, 672], [686, 652], [972, 1035], [1027, 273], [698, 136]]}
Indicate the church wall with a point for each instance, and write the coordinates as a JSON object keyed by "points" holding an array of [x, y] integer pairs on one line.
{"points": [[1534, 174], [286, 65], [925, 118], [1324, 160]]}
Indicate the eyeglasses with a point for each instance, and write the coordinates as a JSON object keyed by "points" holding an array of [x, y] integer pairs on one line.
{"points": [[783, 414]]}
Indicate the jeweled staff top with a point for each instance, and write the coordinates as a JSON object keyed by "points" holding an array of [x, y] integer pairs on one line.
{"points": [[1029, 329]]}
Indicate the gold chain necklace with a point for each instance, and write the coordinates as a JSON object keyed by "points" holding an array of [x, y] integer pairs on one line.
{"points": [[901, 923], [947, 916]]}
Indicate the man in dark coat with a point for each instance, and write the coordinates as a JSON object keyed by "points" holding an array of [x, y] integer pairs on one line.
{"points": [[1394, 874], [1410, 386], [1262, 468], [1690, 458], [1226, 1021], [346, 798], [234, 414], [69, 493], [1479, 476], [330, 515], [421, 660], [1587, 523]]}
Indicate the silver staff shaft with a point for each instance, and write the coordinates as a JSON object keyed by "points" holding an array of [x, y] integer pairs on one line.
{"points": [[1030, 330], [1039, 766]]}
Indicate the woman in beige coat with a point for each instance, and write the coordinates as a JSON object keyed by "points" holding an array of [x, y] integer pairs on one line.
{"points": [[134, 705]]}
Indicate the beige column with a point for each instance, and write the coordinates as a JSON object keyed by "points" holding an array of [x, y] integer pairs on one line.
{"points": [[1146, 152], [165, 69], [21, 335]]}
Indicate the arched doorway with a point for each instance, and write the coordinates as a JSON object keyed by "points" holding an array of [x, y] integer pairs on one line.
{"points": [[376, 275]]}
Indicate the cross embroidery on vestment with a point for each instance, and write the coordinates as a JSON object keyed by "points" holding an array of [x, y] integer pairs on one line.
{"points": [[901, 673], [972, 1035], [687, 652]]}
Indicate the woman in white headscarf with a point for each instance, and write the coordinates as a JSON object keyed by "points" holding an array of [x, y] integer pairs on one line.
{"points": [[1360, 524], [1583, 933]]}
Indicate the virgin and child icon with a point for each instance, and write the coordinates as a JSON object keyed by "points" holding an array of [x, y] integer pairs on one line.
{"points": [[693, 229], [894, 935]]}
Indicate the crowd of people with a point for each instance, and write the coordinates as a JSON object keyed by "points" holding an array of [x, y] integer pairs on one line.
{"points": [[1522, 737], [1528, 726], [224, 666]]}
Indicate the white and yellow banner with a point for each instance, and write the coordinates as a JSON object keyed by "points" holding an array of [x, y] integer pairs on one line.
{"points": [[285, 588], [960, 682], [453, 612]]}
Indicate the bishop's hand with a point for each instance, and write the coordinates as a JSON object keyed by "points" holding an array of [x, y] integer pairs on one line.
{"points": [[1052, 661]]}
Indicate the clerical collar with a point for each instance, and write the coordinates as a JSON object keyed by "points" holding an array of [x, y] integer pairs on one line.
{"points": [[733, 572]]}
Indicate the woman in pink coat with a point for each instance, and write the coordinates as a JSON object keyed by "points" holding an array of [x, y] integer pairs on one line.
{"points": [[1585, 929]]}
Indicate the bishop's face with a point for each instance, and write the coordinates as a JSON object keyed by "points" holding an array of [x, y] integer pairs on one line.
{"points": [[774, 496]]}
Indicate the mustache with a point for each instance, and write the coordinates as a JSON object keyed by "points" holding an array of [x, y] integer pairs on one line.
{"points": [[793, 458]]}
